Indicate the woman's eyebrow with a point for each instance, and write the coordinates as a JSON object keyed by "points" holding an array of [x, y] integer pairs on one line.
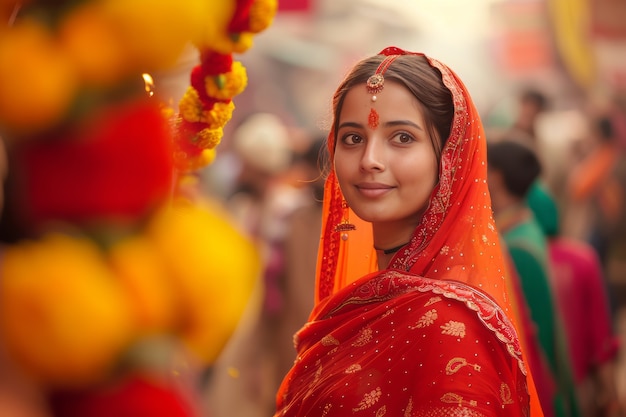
{"points": [[393, 123], [386, 124], [350, 124]]}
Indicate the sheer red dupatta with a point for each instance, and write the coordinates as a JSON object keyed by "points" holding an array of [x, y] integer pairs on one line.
{"points": [[456, 239]]}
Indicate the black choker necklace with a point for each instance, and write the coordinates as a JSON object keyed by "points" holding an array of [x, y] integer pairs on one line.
{"points": [[392, 250]]}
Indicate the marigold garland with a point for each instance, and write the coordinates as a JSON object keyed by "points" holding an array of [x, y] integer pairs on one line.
{"points": [[140, 274], [207, 104], [129, 38], [227, 85], [141, 285], [53, 292]]}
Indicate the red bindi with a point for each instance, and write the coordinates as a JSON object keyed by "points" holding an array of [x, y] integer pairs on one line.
{"points": [[372, 119]]}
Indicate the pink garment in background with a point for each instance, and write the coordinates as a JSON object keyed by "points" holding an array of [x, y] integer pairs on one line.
{"points": [[581, 293]]}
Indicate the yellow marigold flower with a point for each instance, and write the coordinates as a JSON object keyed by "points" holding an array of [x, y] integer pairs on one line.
{"points": [[206, 158], [242, 42], [189, 163], [209, 138], [37, 79], [143, 278], [219, 115], [227, 86], [233, 43], [221, 12], [190, 106], [191, 110], [262, 14], [83, 27], [63, 317], [140, 24], [214, 268]]}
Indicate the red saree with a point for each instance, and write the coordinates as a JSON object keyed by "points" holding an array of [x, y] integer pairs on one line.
{"points": [[430, 336]]}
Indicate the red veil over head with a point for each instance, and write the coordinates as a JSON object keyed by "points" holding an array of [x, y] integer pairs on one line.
{"points": [[456, 238]]}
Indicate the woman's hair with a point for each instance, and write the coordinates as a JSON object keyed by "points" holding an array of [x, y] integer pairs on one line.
{"points": [[420, 78]]}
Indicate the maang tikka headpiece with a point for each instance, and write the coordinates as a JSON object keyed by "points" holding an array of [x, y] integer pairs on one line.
{"points": [[376, 82]]}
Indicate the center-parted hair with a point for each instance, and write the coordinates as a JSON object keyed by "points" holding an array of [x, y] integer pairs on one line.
{"points": [[420, 78]]}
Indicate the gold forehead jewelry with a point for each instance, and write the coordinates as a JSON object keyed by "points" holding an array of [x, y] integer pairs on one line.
{"points": [[376, 82]]}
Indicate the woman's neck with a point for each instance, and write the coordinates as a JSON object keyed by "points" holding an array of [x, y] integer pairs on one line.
{"points": [[389, 239]]}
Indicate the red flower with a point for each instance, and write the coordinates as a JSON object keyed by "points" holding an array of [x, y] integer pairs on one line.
{"points": [[213, 63], [241, 18], [134, 397], [118, 166]]}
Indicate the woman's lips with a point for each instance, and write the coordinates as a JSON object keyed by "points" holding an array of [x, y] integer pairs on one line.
{"points": [[373, 190]]}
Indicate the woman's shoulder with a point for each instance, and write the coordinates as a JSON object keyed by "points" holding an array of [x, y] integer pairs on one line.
{"points": [[391, 288]]}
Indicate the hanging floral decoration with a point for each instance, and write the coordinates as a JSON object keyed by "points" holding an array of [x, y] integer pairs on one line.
{"points": [[207, 104], [109, 264]]}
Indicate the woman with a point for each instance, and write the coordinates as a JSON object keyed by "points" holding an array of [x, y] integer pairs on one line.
{"points": [[412, 313]]}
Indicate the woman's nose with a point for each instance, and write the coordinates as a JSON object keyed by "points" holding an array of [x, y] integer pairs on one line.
{"points": [[373, 157]]}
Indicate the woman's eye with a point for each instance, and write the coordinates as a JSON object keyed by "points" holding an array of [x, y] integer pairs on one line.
{"points": [[352, 139], [404, 138]]}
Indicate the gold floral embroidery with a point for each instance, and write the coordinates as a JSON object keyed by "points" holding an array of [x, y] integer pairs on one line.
{"points": [[364, 337], [388, 313], [426, 320], [455, 364], [432, 301], [318, 372], [369, 399], [409, 408], [452, 398], [381, 411], [448, 411], [444, 250], [454, 328], [329, 340], [505, 394], [327, 408], [352, 369]]}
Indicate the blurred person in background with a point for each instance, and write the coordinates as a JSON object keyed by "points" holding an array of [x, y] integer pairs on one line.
{"points": [[599, 180], [513, 167], [531, 104], [579, 286]]}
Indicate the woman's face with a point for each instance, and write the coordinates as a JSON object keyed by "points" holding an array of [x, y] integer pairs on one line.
{"points": [[386, 170]]}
